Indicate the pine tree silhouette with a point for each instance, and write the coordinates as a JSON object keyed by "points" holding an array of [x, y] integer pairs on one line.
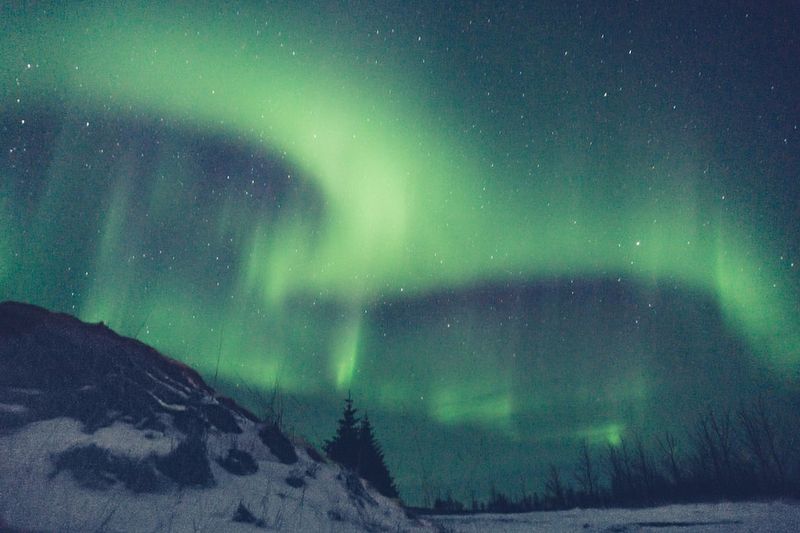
{"points": [[355, 447], [344, 446], [371, 464]]}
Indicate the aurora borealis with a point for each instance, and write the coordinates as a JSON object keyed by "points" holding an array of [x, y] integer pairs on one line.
{"points": [[505, 228]]}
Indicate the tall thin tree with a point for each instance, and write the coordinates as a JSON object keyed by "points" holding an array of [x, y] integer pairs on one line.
{"points": [[344, 446], [371, 464]]}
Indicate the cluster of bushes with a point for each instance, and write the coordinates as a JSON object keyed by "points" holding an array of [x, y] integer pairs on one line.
{"points": [[746, 454]]}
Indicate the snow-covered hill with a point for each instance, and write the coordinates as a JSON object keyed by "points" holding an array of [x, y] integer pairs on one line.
{"points": [[100, 432]]}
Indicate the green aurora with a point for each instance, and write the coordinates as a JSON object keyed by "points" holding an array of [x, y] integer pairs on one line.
{"points": [[384, 194]]}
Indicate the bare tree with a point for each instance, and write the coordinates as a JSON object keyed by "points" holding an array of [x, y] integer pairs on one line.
{"points": [[554, 488], [669, 449], [586, 475], [645, 472], [761, 440], [714, 443], [620, 472]]}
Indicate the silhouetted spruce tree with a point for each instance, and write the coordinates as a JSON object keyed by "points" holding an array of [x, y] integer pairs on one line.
{"points": [[371, 464], [344, 446]]}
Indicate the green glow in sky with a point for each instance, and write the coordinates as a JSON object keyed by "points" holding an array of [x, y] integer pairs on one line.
{"points": [[6, 230], [407, 206]]}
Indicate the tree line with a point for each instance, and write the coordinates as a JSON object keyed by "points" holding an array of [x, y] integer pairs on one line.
{"points": [[727, 455]]}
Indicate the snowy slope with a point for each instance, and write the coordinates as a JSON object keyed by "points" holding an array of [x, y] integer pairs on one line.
{"points": [[100, 432]]}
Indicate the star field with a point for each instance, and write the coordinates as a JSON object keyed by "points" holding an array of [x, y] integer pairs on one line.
{"points": [[512, 225]]}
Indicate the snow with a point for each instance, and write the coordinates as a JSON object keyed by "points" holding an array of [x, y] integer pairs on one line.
{"points": [[726, 517], [31, 498], [177, 388], [168, 406], [24, 391], [12, 408]]}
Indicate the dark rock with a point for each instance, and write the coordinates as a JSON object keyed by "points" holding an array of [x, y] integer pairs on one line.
{"points": [[96, 468], [296, 481], [278, 444], [236, 408], [243, 515], [238, 462], [221, 418], [187, 464]]}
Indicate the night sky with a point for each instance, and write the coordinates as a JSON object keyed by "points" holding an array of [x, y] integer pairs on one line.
{"points": [[506, 228]]}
